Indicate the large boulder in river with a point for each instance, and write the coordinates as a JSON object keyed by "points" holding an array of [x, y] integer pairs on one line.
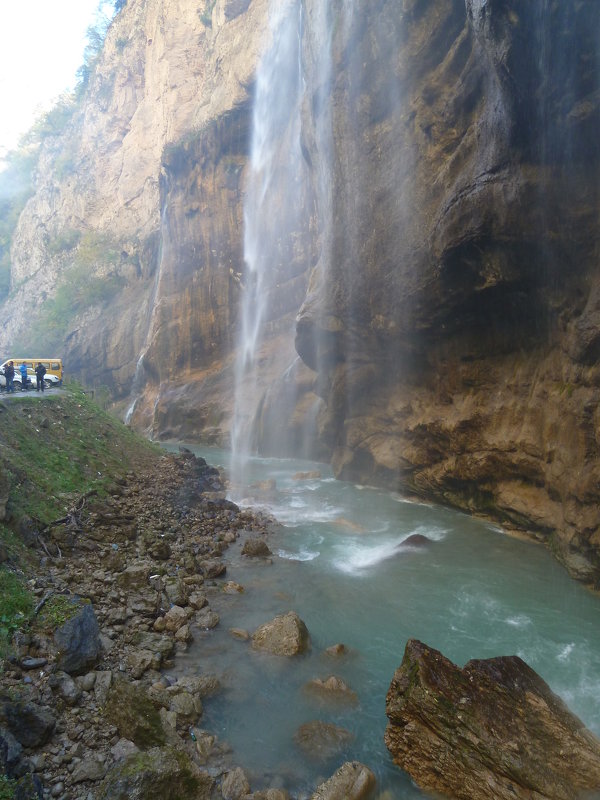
{"points": [[256, 548], [332, 690], [493, 730], [285, 635]]}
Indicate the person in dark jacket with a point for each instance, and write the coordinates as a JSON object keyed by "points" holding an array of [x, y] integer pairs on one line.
{"points": [[9, 374], [40, 371]]}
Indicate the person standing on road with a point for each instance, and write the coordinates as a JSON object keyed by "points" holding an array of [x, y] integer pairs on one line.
{"points": [[23, 371], [40, 371], [9, 374]]}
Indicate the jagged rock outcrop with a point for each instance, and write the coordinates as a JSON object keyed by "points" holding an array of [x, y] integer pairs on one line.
{"points": [[352, 781], [489, 731], [440, 251]]}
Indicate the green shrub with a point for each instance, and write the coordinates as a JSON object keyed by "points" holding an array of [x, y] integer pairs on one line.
{"points": [[80, 288], [7, 788], [65, 241], [16, 607], [54, 121]]}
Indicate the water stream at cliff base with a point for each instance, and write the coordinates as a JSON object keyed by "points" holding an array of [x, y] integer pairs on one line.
{"points": [[342, 564]]}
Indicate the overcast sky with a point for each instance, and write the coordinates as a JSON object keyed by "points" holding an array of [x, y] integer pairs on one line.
{"points": [[41, 48]]}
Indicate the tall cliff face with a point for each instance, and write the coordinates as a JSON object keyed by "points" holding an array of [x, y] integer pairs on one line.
{"points": [[443, 272], [170, 95], [456, 330]]}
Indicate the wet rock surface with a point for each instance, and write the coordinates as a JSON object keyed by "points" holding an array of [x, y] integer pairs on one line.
{"points": [[459, 306], [352, 781], [331, 690], [321, 740], [493, 730], [285, 635]]}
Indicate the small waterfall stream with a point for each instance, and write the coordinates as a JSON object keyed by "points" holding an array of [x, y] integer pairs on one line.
{"points": [[139, 377]]}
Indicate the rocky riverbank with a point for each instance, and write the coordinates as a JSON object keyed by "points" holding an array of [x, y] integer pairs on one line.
{"points": [[122, 581]]}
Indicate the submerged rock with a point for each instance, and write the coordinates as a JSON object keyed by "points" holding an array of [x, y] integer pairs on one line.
{"points": [[285, 635], [337, 650], [321, 740], [352, 781], [256, 548], [313, 474], [332, 690], [493, 730], [416, 540]]}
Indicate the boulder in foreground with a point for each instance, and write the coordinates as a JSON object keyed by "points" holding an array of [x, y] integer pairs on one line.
{"points": [[493, 730], [352, 781], [285, 635], [159, 773]]}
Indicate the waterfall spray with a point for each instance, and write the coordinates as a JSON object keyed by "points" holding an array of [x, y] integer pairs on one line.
{"points": [[272, 212]]}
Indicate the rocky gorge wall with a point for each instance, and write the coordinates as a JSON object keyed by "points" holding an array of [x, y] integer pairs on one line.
{"points": [[445, 285], [455, 338], [170, 95]]}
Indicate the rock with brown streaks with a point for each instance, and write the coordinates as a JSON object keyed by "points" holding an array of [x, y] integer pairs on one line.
{"points": [[285, 635], [493, 730]]}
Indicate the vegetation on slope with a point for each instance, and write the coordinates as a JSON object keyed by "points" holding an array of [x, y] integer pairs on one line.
{"points": [[52, 451], [17, 167], [79, 288]]}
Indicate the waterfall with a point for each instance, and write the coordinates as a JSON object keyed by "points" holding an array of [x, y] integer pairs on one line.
{"points": [[139, 377], [305, 209], [274, 213]]}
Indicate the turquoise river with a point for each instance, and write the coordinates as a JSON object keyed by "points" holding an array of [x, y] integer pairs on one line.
{"points": [[340, 563]]}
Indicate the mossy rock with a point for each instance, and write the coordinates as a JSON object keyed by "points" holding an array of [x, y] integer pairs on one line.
{"points": [[132, 711], [161, 773], [60, 608]]}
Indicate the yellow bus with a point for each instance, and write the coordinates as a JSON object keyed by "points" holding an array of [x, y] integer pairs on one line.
{"points": [[54, 369]]}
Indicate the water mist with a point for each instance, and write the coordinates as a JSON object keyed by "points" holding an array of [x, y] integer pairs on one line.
{"points": [[274, 216]]}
